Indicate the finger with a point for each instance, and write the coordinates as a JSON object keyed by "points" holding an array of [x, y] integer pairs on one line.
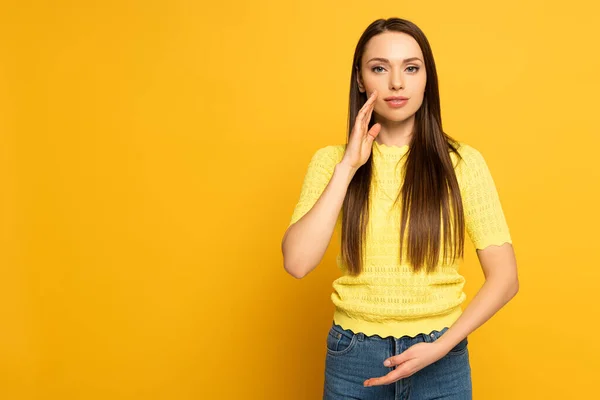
{"points": [[374, 93], [370, 112], [370, 100], [373, 96], [384, 380], [374, 131], [396, 360], [403, 371], [371, 107]]}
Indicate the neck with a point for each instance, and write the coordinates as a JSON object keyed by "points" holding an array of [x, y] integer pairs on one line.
{"points": [[395, 133]]}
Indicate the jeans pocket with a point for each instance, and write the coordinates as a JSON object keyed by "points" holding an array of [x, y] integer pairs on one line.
{"points": [[460, 348], [339, 343]]}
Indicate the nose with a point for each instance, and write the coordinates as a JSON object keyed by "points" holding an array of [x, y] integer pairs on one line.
{"points": [[396, 80]]}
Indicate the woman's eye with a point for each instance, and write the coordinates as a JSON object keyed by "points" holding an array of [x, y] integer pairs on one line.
{"points": [[375, 69]]}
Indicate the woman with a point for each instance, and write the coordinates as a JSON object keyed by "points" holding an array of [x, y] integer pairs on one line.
{"points": [[403, 192]]}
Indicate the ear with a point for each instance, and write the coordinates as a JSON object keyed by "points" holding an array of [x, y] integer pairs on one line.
{"points": [[361, 86]]}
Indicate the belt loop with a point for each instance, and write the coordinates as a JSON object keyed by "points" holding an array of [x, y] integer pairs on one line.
{"points": [[432, 337], [425, 337]]}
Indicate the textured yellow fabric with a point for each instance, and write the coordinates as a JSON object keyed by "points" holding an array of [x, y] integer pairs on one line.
{"points": [[388, 298]]}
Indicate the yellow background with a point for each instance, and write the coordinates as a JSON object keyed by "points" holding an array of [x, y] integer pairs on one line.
{"points": [[152, 153]]}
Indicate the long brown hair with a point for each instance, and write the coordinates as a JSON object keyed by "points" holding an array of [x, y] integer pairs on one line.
{"points": [[430, 191]]}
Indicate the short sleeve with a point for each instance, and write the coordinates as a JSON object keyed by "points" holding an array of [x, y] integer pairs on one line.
{"points": [[484, 218], [317, 177]]}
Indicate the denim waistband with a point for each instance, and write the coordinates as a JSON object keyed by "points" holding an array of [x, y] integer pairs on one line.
{"points": [[361, 336]]}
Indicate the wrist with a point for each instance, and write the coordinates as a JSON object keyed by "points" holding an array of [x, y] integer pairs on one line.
{"points": [[441, 350], [346, 169], [443, 345]]}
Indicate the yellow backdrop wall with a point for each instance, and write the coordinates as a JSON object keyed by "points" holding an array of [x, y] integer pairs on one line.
{"points": [[152, 153]]}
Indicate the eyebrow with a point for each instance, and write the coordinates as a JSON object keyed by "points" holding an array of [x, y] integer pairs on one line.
{"points": [[385, 60]]}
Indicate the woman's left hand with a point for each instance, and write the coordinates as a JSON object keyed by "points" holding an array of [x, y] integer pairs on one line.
{"points": [[413, 359]]}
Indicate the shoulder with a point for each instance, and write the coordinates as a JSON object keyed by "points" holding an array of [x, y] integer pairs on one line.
{"points": [[469, 155], [329, 154]]}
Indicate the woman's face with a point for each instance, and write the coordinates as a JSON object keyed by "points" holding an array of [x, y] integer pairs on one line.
{"points": [[393, 65]]}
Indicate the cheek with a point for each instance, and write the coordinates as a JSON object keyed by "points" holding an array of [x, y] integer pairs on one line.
{"points": [[375, 83], [419, 98], [418, 102]]}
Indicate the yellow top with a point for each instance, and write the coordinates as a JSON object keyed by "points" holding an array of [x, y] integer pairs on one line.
{"points": [[388, 298]]}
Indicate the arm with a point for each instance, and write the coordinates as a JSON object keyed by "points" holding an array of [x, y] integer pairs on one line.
{"points": [[488, 230], [306, 240], [501, 285]]}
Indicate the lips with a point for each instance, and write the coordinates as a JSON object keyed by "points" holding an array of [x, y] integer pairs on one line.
{"points": [[396, 98], [396, 101]]}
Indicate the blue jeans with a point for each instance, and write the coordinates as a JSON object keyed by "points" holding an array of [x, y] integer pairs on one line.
{"points": [[352, 358]]}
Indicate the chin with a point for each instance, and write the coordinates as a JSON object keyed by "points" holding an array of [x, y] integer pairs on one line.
{"points": [[398, 117]]}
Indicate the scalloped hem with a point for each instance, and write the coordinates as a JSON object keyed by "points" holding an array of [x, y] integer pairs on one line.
{"points": [[493, 242], [399, 328], [385, 148]]}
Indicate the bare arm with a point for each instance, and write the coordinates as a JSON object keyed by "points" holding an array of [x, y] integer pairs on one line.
{"points": [[304, 243], [488, 229], [501, 285]]}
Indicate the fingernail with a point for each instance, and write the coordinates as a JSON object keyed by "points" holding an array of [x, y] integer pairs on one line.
{"points": [[387, 363]]}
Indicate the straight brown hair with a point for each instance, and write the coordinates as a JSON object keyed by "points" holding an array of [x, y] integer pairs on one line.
{"points": [[430, 192]]}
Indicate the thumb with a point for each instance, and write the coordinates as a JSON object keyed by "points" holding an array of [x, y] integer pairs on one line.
{"points": [[373, 132], [396, 360]]}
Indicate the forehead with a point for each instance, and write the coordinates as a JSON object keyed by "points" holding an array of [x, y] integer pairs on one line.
{"points": [[394, 46]]}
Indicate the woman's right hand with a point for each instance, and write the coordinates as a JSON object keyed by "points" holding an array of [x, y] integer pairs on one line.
{"points": [[360, 143]]}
